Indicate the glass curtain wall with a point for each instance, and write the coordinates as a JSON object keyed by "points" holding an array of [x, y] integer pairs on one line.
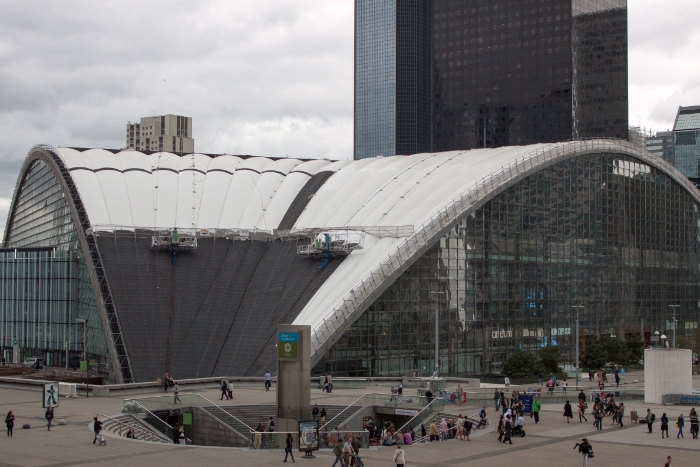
{"points": [[42, 221], [602, 231]]}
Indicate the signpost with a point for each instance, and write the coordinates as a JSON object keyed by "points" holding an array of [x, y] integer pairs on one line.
{"points": [[50, 398]]}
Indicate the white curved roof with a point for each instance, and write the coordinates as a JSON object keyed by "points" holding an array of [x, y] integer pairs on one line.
{"points": [[428, 192]]}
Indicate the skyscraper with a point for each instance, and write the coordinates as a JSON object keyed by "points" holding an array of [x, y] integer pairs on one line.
{"points": [[502, 73], [171, 133], [392, 77], [686, 142]]}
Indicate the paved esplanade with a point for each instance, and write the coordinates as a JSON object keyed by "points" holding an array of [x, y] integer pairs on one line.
{"points": [[548, 444]]}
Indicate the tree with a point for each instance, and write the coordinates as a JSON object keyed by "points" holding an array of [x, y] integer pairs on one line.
{"points": [[549, 356], [616, 351], [635, 349], [520, 364], [594, 357]]}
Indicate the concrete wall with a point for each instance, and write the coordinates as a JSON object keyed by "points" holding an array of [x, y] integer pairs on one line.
{"points": [[206, 431], [667, 371]]}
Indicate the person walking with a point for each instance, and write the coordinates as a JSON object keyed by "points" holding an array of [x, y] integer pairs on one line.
{"points": [[323, 416], [224, 391], [568, 414], [601, 416], [694, 423], [460, 393], [347, 451], [621, 414], [497, 399], [176, 394], [536, 405], [330, 383], [49, 417], [650, 419], [564, 385], [582, 397], [434, 433], [338, 451], [508, 429], [289, 442], [96, 427], [443, 430], [664, 425], [10, 423], [680, 423], [181, 438], [501, 429], [585, 449], [539, 379], [506, 382], [268, 380], [399, 456], [582, 411], [668, 462], [315, 411]]}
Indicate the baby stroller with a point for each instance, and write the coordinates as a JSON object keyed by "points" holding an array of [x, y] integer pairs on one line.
{"points": [[101, 439], [518, 430]]}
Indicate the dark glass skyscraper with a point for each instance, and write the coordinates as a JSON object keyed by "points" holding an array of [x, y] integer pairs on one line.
{"points": [[392, 77], [503, 73]]}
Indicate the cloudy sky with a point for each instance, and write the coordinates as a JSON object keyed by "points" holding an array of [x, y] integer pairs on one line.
{"points": [[264, 77]]}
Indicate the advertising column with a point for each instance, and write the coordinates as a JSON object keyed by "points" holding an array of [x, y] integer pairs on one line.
{"points": [[293, 378]]}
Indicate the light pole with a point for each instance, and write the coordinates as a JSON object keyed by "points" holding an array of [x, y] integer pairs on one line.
{"points": [[674, 324], [84, 322], [437, 326], [578, 381]]}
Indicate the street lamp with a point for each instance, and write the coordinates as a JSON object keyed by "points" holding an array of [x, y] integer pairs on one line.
{"points": [[577, 344], [656, 337], [84, 322], [437, 325], [674, 324], [663, 341]]}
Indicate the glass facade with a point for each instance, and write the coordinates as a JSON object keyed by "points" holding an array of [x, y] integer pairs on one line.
{"points": [[601, 231], [686, 141], [392, 77], [661, 145], [44, 277]]}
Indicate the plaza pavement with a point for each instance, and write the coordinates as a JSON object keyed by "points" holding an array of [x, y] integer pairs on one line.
{"points": [[548, 444]]}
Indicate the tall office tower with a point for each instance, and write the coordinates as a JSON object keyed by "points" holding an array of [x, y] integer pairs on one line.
{"points": [[661, 144], [392, 77], [686, 142], [529, 71], [171, 133]]}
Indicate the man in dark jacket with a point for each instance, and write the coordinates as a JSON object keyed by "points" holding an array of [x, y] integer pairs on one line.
{"points": [[584, 448], [97, 427]]}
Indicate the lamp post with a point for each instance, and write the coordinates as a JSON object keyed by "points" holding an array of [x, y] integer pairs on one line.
{"points": [[655, 339], [577, 343], [663, 341], [437, 326], [674, 324], [84, 322]]}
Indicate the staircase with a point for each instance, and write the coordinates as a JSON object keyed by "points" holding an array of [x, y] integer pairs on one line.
{"points": [[142, 430]]}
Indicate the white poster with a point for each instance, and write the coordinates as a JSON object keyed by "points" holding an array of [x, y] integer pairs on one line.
{"points": [[50, 395]]}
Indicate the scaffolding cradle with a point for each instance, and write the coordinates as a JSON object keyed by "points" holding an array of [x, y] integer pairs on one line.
{"points": [[328, 245], [173, 240]]}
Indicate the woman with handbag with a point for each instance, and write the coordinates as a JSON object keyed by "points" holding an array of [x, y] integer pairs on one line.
{"points": [[586, 450], [288, 448], [399, 456]]}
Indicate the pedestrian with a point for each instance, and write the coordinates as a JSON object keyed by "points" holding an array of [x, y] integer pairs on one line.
{"points": [[508, 428], [315, 411], [230, 390], [664, 425], [668, 462], [694, 423], [617, 379], [288, 448], [468, 425], [621, 414], [423, 432], [399, 393], [49, 417], [96, 427], [434, 433], [506, 381], [323, 416], [497, 399], [582, 397], [224, 391], [399, 456], [165, 382], [338, 451], [460, 393], [539, 379], [181, 438], [347, 451], [271, 425], [501, 429], [567, 412], [550, 386], [268, 380], [443, 430], [257, 438], [564, 385], [601, 416], [585, 449], [176, 394], [582, 411], [650, 419], [330, 383], [536, 405], [680, 423], [10, 422]]}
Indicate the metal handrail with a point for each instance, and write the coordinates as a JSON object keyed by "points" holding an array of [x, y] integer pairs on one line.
{"points": [[134, 426], [226, 412], [416, 415], [352, 404], [154, 415]]}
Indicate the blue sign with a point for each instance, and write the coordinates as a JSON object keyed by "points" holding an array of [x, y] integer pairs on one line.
{"points": [[527, 402], [287, 337]]}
